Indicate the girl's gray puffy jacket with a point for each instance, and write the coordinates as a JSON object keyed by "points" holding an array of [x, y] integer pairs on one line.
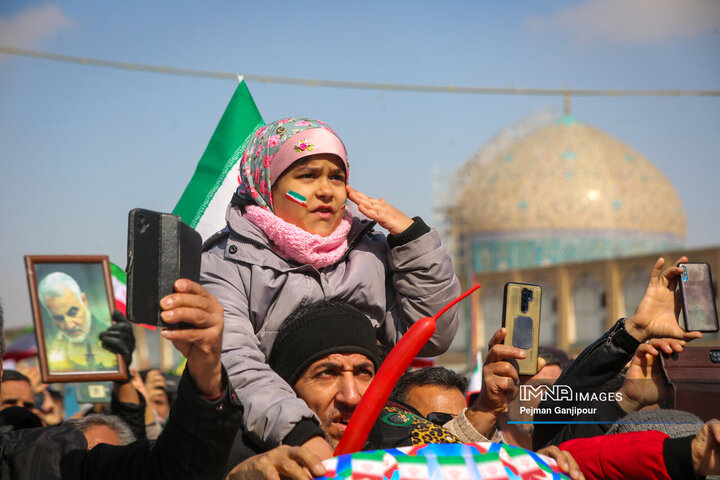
{"points": [[258, 289]]}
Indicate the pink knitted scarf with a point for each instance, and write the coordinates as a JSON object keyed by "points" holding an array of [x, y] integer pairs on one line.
{"points": [[293, 242]]}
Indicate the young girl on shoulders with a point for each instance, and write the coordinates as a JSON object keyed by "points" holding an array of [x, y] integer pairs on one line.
{"points": [[298, 233]]}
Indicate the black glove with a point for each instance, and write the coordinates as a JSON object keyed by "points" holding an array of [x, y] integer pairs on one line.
{"points": [[119, 338]]}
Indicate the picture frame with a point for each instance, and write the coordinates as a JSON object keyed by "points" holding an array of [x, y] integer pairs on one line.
{"points": [[72, 302]]}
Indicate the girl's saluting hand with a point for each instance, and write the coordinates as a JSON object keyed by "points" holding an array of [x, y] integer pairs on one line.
{"points": [[387, 216]]}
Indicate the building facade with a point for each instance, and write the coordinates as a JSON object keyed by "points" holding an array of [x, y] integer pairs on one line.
{"points": [[568, 207]]}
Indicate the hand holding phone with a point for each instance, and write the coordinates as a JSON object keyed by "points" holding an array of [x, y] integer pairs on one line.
{"points": [[521, 318]]}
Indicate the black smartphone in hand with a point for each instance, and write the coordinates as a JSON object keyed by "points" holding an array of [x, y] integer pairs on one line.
{"points": [[161, 250]]}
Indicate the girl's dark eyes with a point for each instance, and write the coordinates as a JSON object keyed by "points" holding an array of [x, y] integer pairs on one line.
{"points": [[338, 177]]}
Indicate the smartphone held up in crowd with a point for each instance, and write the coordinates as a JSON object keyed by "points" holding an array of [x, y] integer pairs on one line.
{"points": [[161, 250], [699, 309], [521, 318]]}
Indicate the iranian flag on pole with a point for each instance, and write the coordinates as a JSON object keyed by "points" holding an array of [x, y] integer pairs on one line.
{"points": [[119, 284], [203, 204]]}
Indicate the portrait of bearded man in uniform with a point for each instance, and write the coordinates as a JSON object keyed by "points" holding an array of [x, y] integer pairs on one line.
{"points": [[72, 344]]}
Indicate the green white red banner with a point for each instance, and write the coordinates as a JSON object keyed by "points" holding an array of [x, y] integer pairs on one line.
{"points": [[119, 284], [205, 199]]}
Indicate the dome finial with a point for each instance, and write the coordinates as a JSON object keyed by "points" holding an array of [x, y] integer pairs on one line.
{"points": [[566, 105]]}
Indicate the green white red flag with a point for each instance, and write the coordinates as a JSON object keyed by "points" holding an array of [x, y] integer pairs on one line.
{"points": [[119, 284], [205, 199]]}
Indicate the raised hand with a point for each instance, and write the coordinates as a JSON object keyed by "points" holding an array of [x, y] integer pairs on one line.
{"points": [[119, 338], [138, 384], [387, 216], [657, 314], [499, 384], [644, 384], [200, 345], [500, 378]]}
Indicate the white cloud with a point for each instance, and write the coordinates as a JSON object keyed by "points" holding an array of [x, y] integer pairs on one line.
{"points": [[633, 21], [32, 26]]}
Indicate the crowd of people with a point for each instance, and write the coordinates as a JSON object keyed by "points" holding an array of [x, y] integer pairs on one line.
{"points": [[299, 301]]}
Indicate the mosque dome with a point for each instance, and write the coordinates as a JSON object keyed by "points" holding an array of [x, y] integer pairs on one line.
{"points": [[564, 192]]}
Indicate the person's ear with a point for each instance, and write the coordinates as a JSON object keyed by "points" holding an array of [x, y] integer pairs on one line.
{"points": [[84, 299]]}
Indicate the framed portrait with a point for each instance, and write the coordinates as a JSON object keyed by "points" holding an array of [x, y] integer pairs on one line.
{"points": [[72, 302]]}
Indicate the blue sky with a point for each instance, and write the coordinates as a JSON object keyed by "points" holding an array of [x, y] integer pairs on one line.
{"points": [[80, 146]]}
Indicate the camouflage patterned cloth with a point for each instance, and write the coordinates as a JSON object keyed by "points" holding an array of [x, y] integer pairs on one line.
{"points": [[398, 427]]}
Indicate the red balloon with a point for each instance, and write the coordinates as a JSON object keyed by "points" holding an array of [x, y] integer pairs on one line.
{"points": [[395, 364]]}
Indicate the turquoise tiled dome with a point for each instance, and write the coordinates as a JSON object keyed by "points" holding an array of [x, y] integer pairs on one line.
{"points": [[565, 192]]}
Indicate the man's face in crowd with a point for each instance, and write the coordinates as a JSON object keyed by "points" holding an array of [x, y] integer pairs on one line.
{"points": [[434, 398], [52, 409], [70, 314], [16, 393], [332, 387]]}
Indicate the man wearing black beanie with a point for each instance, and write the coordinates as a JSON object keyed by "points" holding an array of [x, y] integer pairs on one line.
{"points": [[328, 353]]}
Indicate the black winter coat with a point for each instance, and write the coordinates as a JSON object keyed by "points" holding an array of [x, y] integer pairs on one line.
{"points": [[195, 444]]}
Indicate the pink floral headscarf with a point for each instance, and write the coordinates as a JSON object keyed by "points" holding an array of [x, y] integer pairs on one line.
{"points": [[275, 147]]}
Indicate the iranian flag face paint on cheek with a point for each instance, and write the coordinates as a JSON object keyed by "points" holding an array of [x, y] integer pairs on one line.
{"points": [[297, 198]]}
